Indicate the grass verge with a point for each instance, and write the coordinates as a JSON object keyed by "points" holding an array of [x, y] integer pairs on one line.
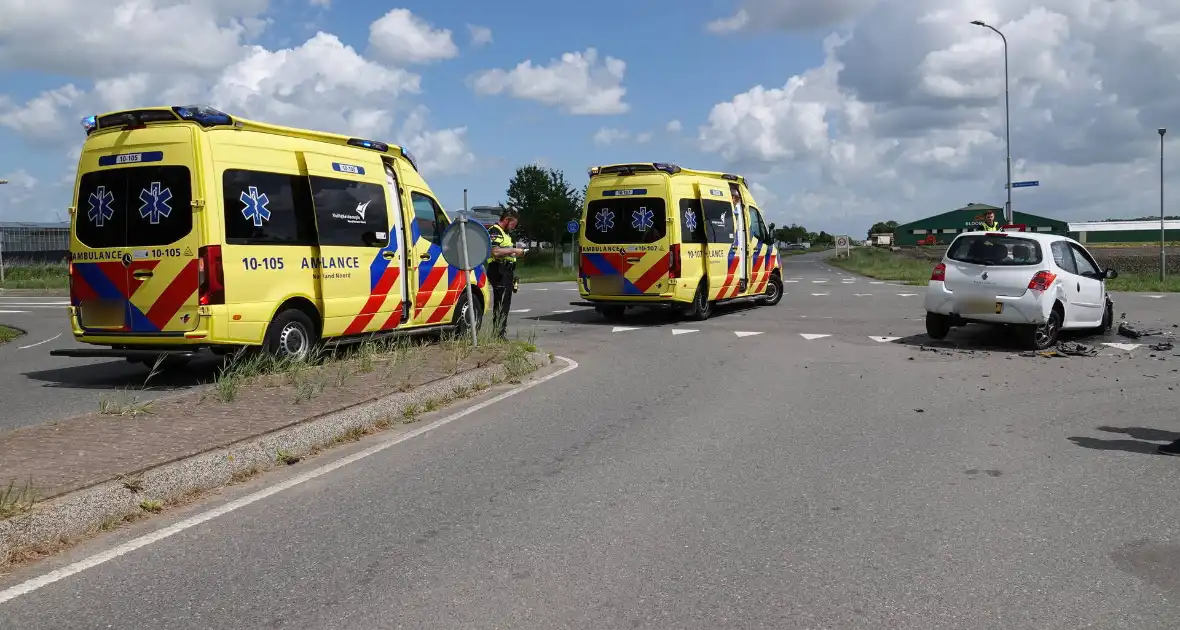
{"points": [[8, 333], [36, 276], [883, 264]]}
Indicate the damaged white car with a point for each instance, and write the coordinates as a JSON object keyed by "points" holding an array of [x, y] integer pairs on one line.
{"points": [[1038, 284]]}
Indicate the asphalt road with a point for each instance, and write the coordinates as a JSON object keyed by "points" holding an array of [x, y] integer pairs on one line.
{"points": [[825, 471]]}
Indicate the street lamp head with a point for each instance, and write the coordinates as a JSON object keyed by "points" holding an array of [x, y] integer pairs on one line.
{"points": [[978, 23], [1162, 131]]}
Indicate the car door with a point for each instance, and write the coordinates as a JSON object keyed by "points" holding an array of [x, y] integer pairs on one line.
{"points": [[1090, 286], [1070, 282], [721, 233], [763, 258], [439, 284]]}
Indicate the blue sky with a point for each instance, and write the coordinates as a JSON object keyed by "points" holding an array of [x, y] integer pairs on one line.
{"points": [[842, 113]]}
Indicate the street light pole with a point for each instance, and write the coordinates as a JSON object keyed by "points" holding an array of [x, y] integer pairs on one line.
{"points": [[1163, 233], [1010, 214]]}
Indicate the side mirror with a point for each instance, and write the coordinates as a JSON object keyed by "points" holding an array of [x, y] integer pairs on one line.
{"points": [[1110, 274], [771, 228]]}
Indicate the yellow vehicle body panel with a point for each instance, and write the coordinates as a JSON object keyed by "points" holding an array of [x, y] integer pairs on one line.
{"points": [[298, 216], [652, 236]]}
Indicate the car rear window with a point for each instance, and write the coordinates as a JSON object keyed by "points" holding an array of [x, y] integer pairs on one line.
{"points": [[995, 250], [626, 220], [137, 206]]}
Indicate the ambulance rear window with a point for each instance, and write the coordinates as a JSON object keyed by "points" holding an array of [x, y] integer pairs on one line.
{"points": [[137, 206], [626, 220]]}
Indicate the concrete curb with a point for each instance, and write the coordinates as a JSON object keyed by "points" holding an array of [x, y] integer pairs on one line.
{"points": [[79, 514]]}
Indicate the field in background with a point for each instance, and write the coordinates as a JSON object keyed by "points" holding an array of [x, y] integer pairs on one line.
{"points": [[19, 275], [1138, 266]]}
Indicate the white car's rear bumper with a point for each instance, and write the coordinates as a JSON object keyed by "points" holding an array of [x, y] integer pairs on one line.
{"points": [[1031, 308]]}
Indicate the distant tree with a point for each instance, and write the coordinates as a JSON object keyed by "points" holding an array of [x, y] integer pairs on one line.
{"points": [[793, 233], [883, 227], [823, 238], [546, 202]]}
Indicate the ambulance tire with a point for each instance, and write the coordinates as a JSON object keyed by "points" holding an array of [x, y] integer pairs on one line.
{"points": [[774, 291], [462, 323], [702, 307], [612, 313], [291, 335]]}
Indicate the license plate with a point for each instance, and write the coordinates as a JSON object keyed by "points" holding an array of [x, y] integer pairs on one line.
{"points": [[975, 307], [104, 314], [607, 285]]}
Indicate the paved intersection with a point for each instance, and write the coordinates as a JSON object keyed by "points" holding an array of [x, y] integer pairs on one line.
{"points": [[711, 480]]}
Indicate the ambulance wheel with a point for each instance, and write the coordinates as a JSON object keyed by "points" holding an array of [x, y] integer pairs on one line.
{"points": [[701, 308], [463, 317], [774, 291], [291, 335], [611, 313]]}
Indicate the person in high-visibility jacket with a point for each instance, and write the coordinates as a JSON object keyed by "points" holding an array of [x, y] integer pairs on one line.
{"points": [[989, 222], [501, 267]]}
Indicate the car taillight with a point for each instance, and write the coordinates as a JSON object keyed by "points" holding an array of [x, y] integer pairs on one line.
{"points": [[1042, 281], [210, 276], [70, 275], [674, 263], [939, 273]]}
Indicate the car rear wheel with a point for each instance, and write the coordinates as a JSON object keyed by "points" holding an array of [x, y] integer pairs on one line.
{"points": [[937, 326], [1044, 336], [774, 291], [702, 308], [290, 336]]}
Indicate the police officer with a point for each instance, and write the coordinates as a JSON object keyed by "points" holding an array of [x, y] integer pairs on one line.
{"points": [[502, 268], [989, 222]]}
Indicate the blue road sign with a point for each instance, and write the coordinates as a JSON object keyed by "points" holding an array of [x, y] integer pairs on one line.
{"points": [[572, 227], [1025, 184]]}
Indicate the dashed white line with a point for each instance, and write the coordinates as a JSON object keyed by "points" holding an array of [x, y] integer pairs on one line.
{"points": [[617, 329], [684, 331], [1154, 297], [34, 345], [906, 294], [745, 333], [563, 311], [12, 312], [521, 310], [863, 294], [812, 337], [819, 294]]}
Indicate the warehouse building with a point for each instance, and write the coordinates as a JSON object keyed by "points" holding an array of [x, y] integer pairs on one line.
{"points": [[943, 227], [1123, 231]]}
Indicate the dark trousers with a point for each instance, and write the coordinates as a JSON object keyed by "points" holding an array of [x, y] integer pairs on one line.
{"points": [[501, 277]]}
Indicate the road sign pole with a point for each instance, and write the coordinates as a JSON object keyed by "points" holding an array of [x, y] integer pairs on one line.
{"points": [[1, 257], [467, 283]]}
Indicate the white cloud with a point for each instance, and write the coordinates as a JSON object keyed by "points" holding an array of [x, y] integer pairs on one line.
{"points": [[404, 38], [83, 39], [576, 83], [319, 84], [674, 126], [443, 151], [607, 136], [17, 194], [905, 118], [480, 35]]}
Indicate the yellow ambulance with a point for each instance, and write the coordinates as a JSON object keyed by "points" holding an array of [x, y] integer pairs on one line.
{"points": [[658, 235], [195, 230]]}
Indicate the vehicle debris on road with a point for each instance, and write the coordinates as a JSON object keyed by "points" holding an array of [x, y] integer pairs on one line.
{"points": [[1065, 349]]}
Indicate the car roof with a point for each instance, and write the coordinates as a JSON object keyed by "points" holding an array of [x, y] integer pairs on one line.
{"points": [[1032, 236]]}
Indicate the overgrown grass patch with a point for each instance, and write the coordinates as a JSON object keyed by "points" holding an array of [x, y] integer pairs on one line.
{"points": [[35, 276], [8, 333], [883, 264]]}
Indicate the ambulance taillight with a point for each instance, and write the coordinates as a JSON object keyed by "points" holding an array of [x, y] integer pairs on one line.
{"points": [[210, 276]]}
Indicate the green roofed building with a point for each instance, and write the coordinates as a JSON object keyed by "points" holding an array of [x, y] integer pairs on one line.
{"points": [[969, 218]]}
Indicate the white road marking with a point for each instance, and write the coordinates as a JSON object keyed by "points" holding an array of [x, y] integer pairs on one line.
{"points": [[877, 282], [5, 303], [745, 333], [683, 331], [12, 312], [811, 337], [29, 586], [521, 310], [863, 294], [883, 339], [572, 289], [906, 294], [1123, 346], [819, 294], [818, 281], [564, 311], [1154, 297], [34, 345], [539, 289], [790, 281], [622, 329]]}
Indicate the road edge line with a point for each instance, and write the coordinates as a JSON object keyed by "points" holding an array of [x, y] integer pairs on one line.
{"points": [[32, 584]]}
